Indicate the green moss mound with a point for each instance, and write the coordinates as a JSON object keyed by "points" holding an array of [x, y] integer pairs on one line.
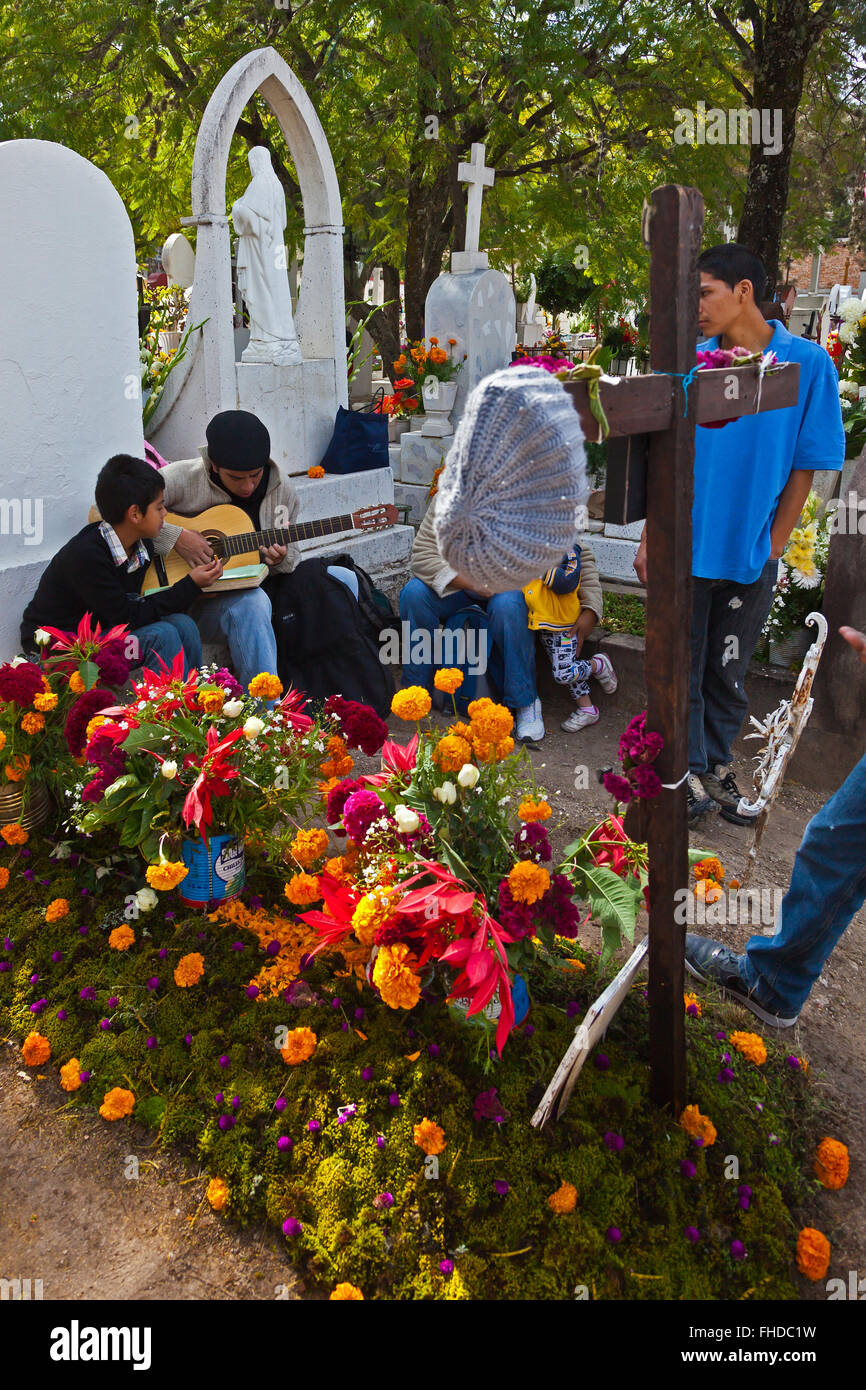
{"points": [[374, 1209]]}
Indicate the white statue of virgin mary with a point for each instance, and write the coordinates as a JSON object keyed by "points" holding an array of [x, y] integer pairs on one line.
{"points": [[259, 218]]}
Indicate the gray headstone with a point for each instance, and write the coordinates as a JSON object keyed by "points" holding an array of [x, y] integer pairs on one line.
{"points": [[478, 309]]}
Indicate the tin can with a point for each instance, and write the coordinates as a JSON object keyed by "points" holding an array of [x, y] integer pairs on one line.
{"points": [[217, 871]]}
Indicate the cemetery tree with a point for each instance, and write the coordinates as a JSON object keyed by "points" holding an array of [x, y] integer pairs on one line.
{"points": [[561, 286]]}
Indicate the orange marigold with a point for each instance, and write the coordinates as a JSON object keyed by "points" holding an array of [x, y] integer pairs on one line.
{"points": [[212, 701], [346, 1293], [189, 969], [303, 889], [831, 1164], [708, 868], [217, 1193], [2, 740], [4, 877], [564, 1199], [76, 683], [813, 1253], [117, 1104], [266, 686], [96, 722], [17, 770], [751, 1045], [693, 1005], [70, 1075], [372, 912], [528, 882], [491, 723], [698, 1125], [14, 834], [452, 752], [429, 1137], [317, 471], [35, 1050], [121, 938], [308, 846], [45, 702], [166, 874], [395, 978], [530, 810], [336, 868], [300, 1046], [33, 723], [461, 730], [56, 909], [412, 703], [706, 890], [448, 679]]}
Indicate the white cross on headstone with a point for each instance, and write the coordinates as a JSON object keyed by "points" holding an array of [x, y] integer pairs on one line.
{"points": [[479, 177]]}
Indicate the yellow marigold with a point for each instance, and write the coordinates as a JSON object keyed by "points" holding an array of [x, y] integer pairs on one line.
{"points": [[708, 868], [429, 1137], [373, 911], [45, 702], [813, 1253], [17, 770], [317, 471], [308, 846], [461, 730], [70, 1075], [564, 1199], [76, 683], [530, 810], [751, 1045], [693, 1005], [303, 889], [14, 834], [528, 882], [189, 969], [117, 1103], [35, 1050], [212, 701], [264, 686], [33, 723], [121, 938], [300, 1046], [831, 1164], [96, 722], [56, 909], [411, 703], [698, 1125], [706, 890], [4, 877], [346, 1293], [217, 1193], [394, 977], [448, 679], [452, 752], [166, 874]]}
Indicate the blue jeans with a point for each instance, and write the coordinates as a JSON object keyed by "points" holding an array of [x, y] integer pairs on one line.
{"points": [[827, 887], [511, 659], [166, 638], [727, 619], [243, 620]]}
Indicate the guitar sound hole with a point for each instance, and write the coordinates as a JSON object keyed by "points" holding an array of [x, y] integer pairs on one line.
{"points": [[217, 542]]}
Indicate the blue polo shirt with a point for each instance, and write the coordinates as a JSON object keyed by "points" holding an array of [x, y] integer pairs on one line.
{"points": [[741, 470]]}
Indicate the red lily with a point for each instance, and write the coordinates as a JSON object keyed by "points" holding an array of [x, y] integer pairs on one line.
{"points": [[213, 780], [396, 759]]}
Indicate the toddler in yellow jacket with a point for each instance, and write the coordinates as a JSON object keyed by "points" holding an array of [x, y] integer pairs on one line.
{"points": [[554, 607]]}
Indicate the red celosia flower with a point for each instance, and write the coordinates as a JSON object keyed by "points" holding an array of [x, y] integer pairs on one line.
{"points": [[20, 684], [84, 709]]}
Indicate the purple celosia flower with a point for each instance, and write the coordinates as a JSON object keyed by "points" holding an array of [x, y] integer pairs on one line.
{"points": [[336, 1002], [105, 1024], [280, 1104], [225, 1122], [162, 952], [8, 943], [113, 1002], [433, 1049], [255, 902], [236, 1100], [488, 1106], [692, 1010], [252, 991], [446, 1266], [500, 1186], [57, 957], [383, 1200], [151, 1043], [223, 1061], [793, 1062], [153, 982], [313, 1126], [614, 1234], [237, 946], [738, 1250], [28, 874], [38, 1006], [380, 1141], [291, 1227], [359, 812], [367, 1074], [82, 931], [693, 1234], [62, 1015], [572, 1008], [601, 1060], [284, 1143], [744, 1203], [722, 1037], [88, 993], [531, 842], [614, 1141], [687, 1168], [744, 1190], [85, 1075], [169, 917], [359, 1014], [187, 1037], [272, 948], [726, 1076], [394, 1098], [34, 979]]}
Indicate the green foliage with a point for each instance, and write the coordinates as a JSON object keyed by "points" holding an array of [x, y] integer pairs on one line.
{"points": [[561, 285], [622, 613], [509, 1246]]}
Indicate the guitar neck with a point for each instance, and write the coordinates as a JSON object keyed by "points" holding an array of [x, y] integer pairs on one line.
{"points": [[284, 535]]}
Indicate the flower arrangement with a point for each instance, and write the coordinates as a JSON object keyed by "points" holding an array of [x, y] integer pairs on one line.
{"points": [[621, 338], [403, 403], [168, 307], [418, 362], [800, 586], [638, 750]]}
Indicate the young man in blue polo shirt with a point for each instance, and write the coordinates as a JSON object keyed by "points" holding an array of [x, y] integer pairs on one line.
{"points": [[750, 483]]}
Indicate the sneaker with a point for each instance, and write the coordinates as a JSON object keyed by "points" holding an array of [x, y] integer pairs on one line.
{"points": [[721, 785], [606, 677], [697, 801], [580, 719], [715, 964], [529, 723]]}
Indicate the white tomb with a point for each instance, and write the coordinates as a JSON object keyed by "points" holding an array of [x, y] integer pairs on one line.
{"points": [[70, 376]]}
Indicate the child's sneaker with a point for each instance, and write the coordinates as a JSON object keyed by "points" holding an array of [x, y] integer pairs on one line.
{"points": [[580, 719], [606, 677]]}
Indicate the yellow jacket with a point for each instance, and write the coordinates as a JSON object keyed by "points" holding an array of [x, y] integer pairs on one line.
{"points": [[548, 611]]}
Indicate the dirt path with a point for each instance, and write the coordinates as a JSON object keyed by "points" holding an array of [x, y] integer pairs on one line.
{"points": [[69, 1215]]}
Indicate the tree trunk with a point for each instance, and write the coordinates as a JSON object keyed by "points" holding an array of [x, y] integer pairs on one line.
{"points": [[784, 34]]}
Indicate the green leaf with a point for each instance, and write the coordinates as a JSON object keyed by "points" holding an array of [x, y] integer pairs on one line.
{"points": [[89, 673], [614, 901], [121, 784]]}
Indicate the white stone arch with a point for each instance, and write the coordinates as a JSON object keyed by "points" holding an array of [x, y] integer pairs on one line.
{"points": [[320, 321]]}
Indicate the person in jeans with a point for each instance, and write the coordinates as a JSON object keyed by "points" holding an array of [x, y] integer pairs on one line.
{"points": [[774, 975], [100, 571], [751, 480], [436, 591]]}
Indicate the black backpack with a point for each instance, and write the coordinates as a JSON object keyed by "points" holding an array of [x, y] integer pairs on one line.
{"points": [[327, 642]]}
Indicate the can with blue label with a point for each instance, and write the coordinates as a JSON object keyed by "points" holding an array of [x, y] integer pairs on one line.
{"points": [[217, 871], [519, 999]]}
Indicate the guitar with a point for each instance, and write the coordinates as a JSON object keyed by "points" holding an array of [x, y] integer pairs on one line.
{"points": [[226, 528]]}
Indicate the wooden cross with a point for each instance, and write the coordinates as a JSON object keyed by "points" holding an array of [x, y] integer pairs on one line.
{"points": [[478, 176], [658, 407]]}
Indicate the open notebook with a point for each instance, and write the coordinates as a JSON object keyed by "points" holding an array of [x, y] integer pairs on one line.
{"points": [[239, 577]]}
